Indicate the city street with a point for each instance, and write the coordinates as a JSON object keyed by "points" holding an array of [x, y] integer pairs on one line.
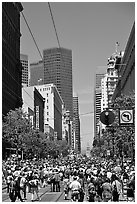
{"points": [[47, 196], [68, 101]]}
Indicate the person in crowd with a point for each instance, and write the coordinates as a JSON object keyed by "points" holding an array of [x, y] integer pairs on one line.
{"points": [[74, 187], [116, 188], [91, 192], [106, 190], [17, 188], [9, 176], [23, 185], [66, 186], [12, 190], [57, 181], [34, 183]]}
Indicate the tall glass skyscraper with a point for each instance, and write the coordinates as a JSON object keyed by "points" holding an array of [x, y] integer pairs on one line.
{"points": [[58, 70]]}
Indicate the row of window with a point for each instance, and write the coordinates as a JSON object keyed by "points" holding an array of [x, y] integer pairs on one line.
{"points": [[44, 89]]}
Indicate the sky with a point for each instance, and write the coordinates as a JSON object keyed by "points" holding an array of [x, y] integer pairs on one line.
{"points": [[90, 30]]}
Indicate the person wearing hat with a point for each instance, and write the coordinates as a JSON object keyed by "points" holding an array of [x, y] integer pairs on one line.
{"points": [[75, 187]]}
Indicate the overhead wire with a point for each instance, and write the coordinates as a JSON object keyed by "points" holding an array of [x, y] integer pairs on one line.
{"points": [[16, 82], [32, 35], [51, 13], [33, 39]]}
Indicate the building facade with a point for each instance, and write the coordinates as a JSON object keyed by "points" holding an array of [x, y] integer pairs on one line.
{"points": [[76, 141], [112, 75], [33, 105], [126, 69], [11, 66], [58, 70], [25, 70], [37, 73], [97, 102], [52, 110]]}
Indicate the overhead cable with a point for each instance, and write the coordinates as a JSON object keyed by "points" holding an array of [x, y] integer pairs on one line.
{"points": [[55, 31], [54, 24], [32, 35]]}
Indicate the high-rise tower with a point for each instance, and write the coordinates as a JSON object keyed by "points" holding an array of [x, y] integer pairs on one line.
{"points": [[25, 70], [58, 70], [11, 66], [36, 73], [76, 125], [97, 101]]}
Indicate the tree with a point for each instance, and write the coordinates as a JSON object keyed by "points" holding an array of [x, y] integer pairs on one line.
{"points": [[122, 140], [17, 131]]}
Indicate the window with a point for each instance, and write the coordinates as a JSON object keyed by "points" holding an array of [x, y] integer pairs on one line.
{"points": [[47, 113], [47, 94], [47, 107], [47, 100], [47, 119]]}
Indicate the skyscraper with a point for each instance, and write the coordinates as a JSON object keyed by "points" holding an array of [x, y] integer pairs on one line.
{"points": [[58, 70], [25, 70], [11, 66], [36, 73], [97, 102], [76, 125]]}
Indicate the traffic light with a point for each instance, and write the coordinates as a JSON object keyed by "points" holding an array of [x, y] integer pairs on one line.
{"points": [[107, 117]]}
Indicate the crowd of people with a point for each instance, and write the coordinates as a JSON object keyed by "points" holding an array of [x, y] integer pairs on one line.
{"points": [[96, 179]]}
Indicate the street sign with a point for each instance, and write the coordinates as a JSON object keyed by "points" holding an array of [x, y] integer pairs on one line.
{"points": [[126, 117], [107, 117]]}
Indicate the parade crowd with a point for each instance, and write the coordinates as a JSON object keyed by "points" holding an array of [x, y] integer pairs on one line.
{"points": [[97, 179]]}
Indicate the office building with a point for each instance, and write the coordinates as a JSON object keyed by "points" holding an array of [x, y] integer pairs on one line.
{"points": [[76, 142], [52, 110], [33, 105], [58, 70], [97, 102], [11, 66], [25, 69], [37, 73], [126, 68]]}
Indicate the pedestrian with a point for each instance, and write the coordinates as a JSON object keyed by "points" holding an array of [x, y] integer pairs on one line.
{"points": [[106, 191], [91, 192], [12, 190], [23, 185], [116, 188], [17, 188], [34, 187], [9, 180], [57, 181]]}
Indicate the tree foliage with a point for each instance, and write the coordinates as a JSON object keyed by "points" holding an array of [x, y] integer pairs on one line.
{"points": [[18, 133], [120, 140]]}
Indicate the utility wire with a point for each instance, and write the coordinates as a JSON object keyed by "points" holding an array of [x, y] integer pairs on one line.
{"points": [[17, 83], [32, 35], [54, 24], [55, 31], [87, 113]]}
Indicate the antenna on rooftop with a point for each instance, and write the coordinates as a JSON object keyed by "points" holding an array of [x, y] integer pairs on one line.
{"points": [[117, 44]]}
